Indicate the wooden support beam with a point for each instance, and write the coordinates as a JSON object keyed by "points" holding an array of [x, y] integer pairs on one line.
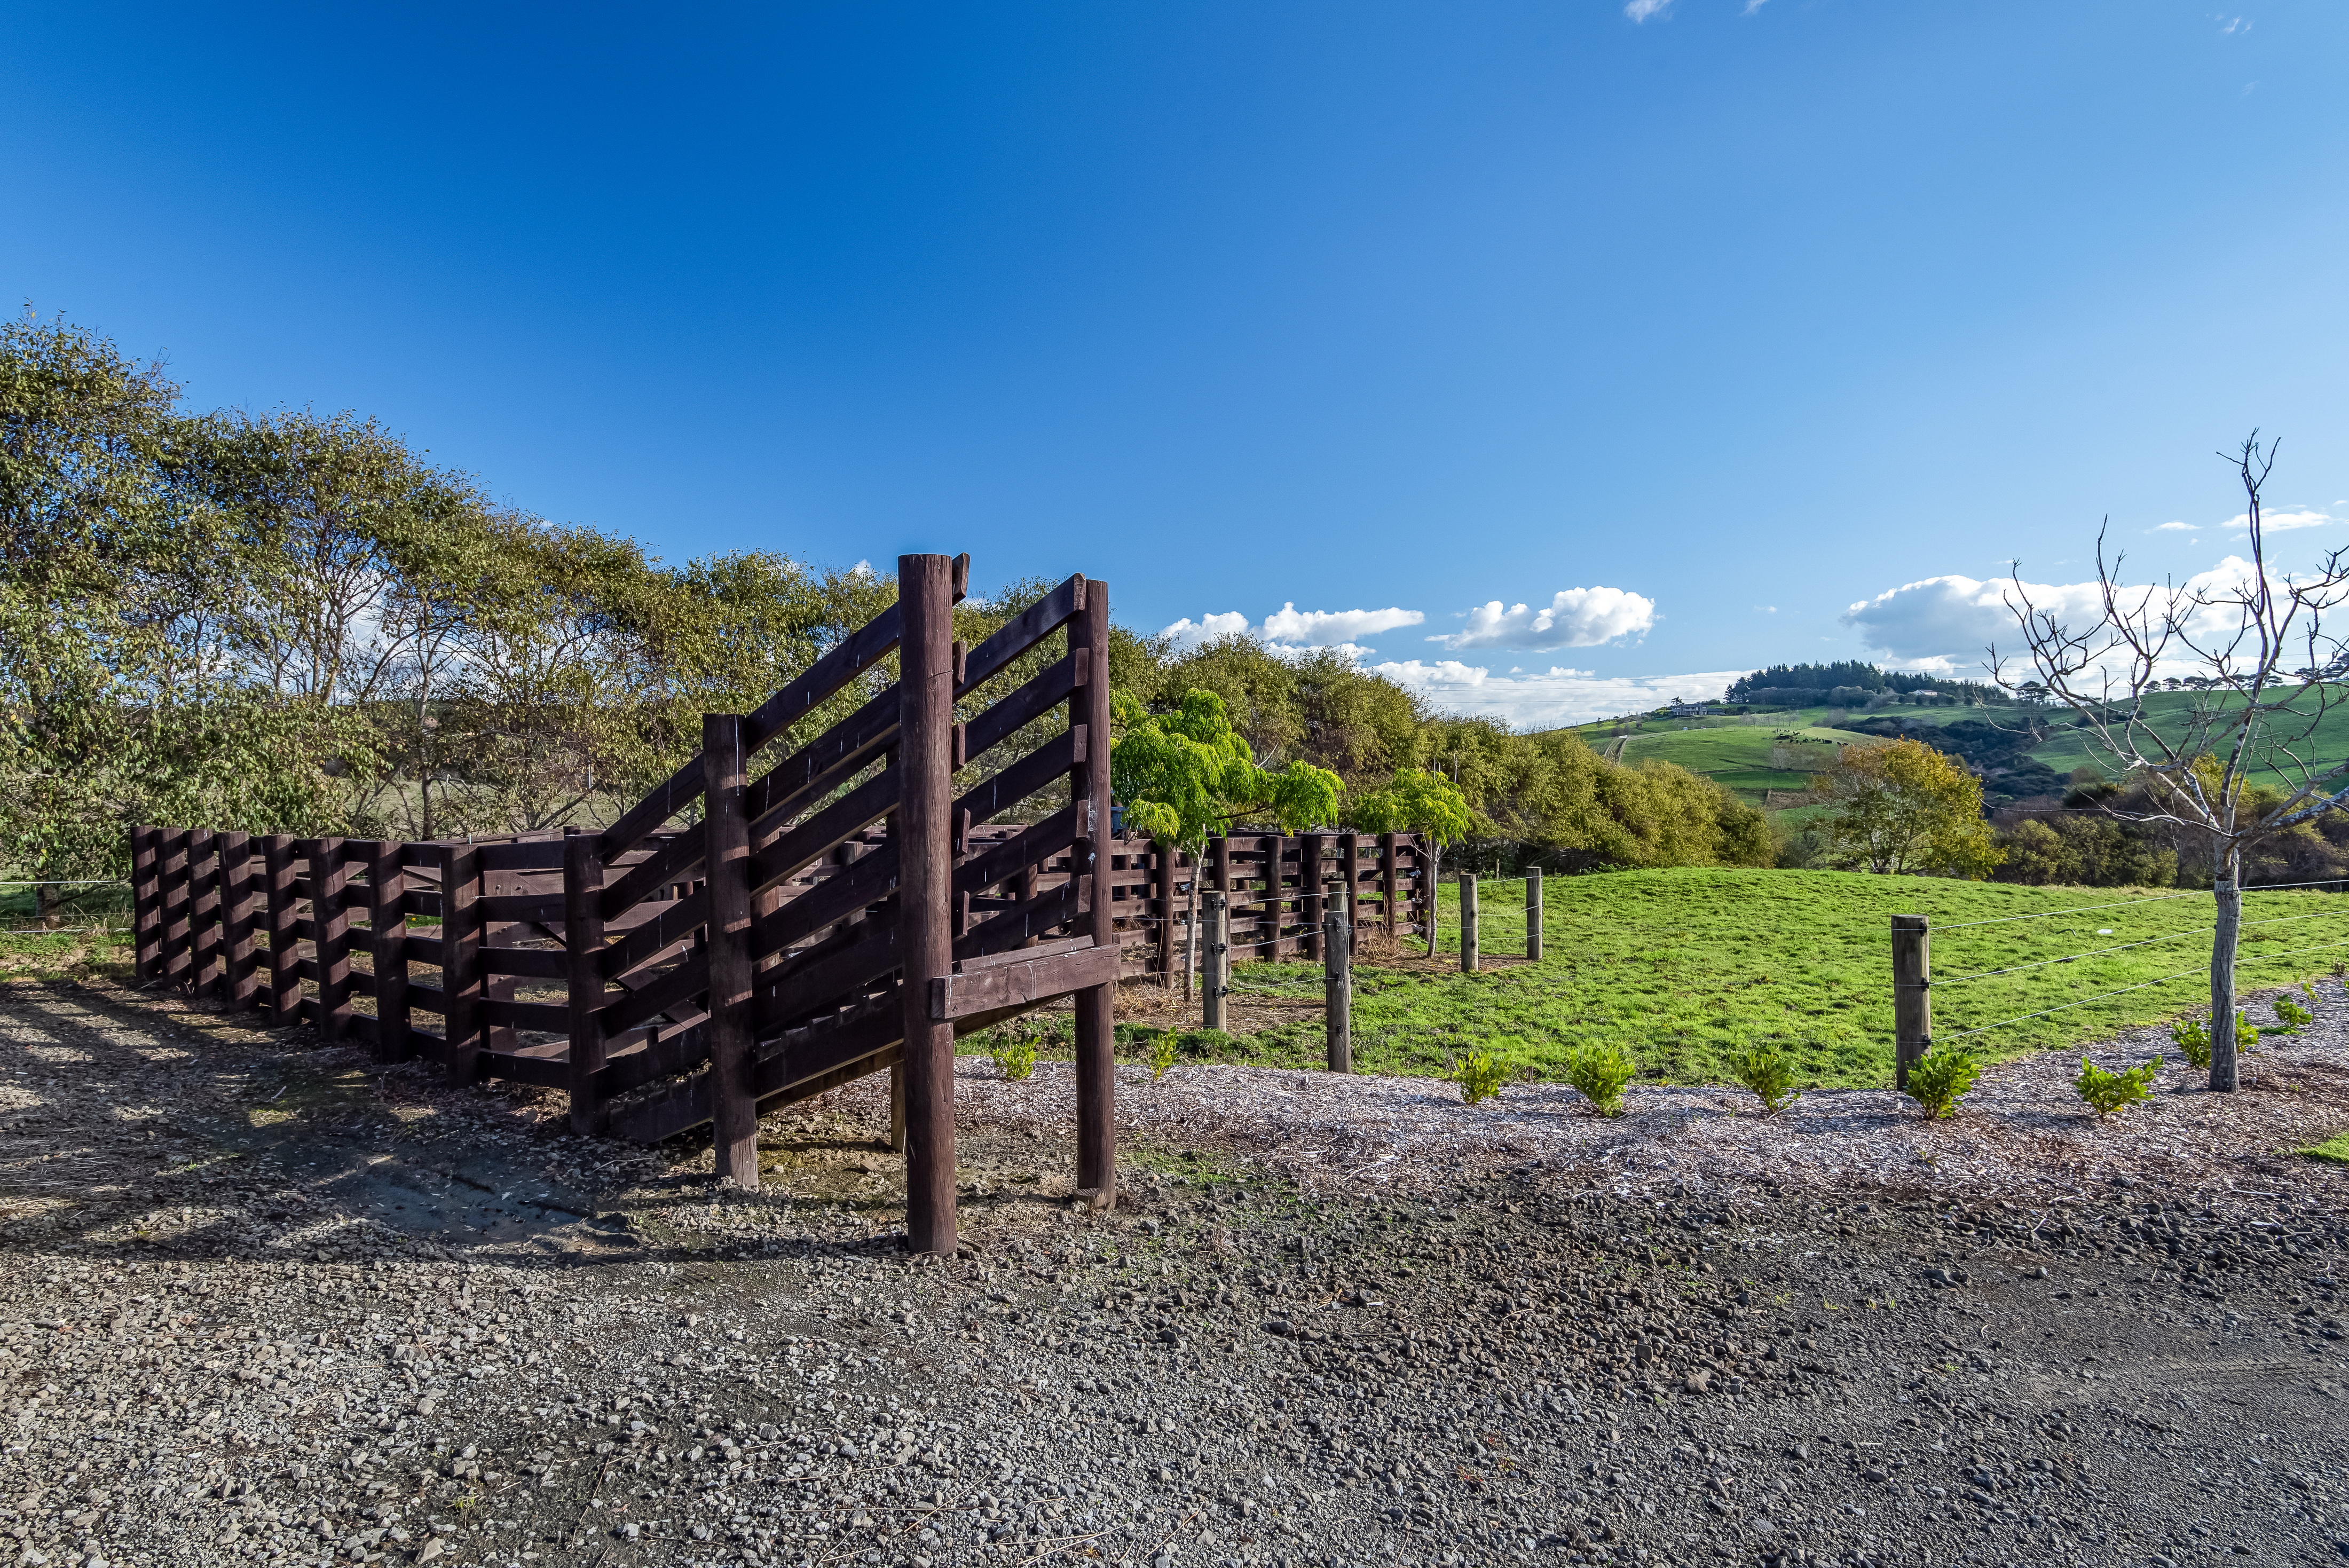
{"points": [[1912, 995], [726, 856], [1338, 991], [1349, 858], [1534, 913], [1096, 1004], [582, 952], [922, 832], [281, 892], [147, 903], [330, 934], [238, 898], [173, 880], [203, 913], [1389, 884], [1022, 981], [388, 949], [461, 962]]}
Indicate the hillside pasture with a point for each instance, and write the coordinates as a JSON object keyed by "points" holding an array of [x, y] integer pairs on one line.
{"points": [[1686, 968]]}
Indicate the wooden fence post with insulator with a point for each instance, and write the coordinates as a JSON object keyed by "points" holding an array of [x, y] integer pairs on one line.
{"points": [[1215, 959], [1338, 990], [1912, 995], [924, 840], [1534, 913], [726, 861], [1468, 922], [1097, 1004]]}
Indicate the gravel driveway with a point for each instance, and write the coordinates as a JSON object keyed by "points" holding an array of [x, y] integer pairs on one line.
{"points": [[261, 1301]]}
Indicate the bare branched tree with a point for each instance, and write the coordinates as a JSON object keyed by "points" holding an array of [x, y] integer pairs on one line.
{"points": [[2244, 759]]}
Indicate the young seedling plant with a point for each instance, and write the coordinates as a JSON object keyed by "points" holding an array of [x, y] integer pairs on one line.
{"points": [[1769, 1072], [1015, 1056], [2109, 1091], [1940, 1080], [1480, 1075], [2291, 1016], [1599, 1072]]}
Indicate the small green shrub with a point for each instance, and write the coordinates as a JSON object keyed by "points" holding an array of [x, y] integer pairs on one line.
{"points": [[1016, 1055], [1480, 1075], [1769, 1072], [2292, 1015], [2247, 1036], [1162, 1053], [1941, 1079], [1601, 1072], [2191, 1038], [2109, 1091]]}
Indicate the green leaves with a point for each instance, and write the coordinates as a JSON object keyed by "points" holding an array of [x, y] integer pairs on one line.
{"points": [[1186, 774], [1940, 1080], [1414, 801], [2107, 1092]]}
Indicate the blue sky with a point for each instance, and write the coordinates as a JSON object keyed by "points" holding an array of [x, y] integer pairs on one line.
{"points": [[1687, 327]]}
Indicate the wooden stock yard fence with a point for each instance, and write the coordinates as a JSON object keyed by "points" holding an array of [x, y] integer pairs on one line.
{"points": [[839, 913]]}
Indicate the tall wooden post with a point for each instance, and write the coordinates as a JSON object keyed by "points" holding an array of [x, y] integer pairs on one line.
{"points": [[1389, 884], [330, 935], [1096, 1005], [1912, 996], [280, 891], [146, 902], [1313, 886], [2226, 906], [1338, 990], [925, 890], [1276, 879], [1163, 881], [1468, 933], [460, 961], [237, 887], [1349, 859], [203, 912], [582, 944], [1214, 958], [388, 949], [1534, 913], [726, 859], [173, 881]]}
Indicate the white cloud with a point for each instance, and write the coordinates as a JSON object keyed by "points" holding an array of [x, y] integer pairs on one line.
{"points": [[1290, 630], [2281, 521], [1320, 629], [2177, 528], [1641, 10], [1751, 6], [1550, 698], [1574, 617]]}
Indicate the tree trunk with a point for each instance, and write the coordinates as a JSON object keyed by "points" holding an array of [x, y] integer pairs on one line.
{"points": [[2229, 893], [1191, 931], [1434, 882]]}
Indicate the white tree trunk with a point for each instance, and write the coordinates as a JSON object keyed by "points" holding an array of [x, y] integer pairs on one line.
{"points": [[2229, 895]]}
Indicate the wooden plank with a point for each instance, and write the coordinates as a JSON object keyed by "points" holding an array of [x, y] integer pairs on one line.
{"points": [[1025, 706], [849, 657], [726, 853], [582, 954], [239, 884], [173, 878], [660, 1054], [664, 993], [461, 978], [281, 874], [1012, 927], [923, 831], [524, 1067], [1021, 632], [548, 1017], [1025, 984], [822, 764], [423, 949], [203, 912], [801, 848], [827, 975], [1056, 835], [671, 923], [867, 881], [673, 794], [1313, 891], [1095, 1005], [424, 996], [1042, 767], [527, 854], [423, 901], [530, 909], [534, 963], [678, 860]]}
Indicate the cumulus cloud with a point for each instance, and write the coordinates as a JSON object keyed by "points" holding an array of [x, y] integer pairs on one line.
{"points": [[2177, 528], [1290, 630], [1574, 617], [1944, 624], [2281, 521], [1548, 699]]}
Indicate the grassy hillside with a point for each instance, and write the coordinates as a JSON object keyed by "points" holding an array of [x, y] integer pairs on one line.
{"points": [[1685, 967]]}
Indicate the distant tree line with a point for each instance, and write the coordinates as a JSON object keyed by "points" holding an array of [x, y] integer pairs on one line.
{"points": [[1850, 682], [289, 622]]}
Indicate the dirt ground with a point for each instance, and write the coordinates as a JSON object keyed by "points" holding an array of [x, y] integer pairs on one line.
{"points": [[260, 1300]]}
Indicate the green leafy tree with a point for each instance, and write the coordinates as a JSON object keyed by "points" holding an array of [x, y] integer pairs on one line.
{"points": [[1184, 775], [1417, 801], [1906, 807]]}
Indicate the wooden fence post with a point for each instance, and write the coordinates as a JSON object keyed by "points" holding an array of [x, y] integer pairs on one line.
{"points": [[1312, 887], [1350, 857], [173, 882], [1338, 990], [1912, 996], [583, 945], [1214, 958], [1275, 879], [238, 981], [1163, 859], [726, 860], [388, 949], [461, 962], [203, 912], [146, 902], [1389, 884], [1468, 933], [1096, 1005], [1534, 913], [280, 891], [330, 936], [925, 770]]}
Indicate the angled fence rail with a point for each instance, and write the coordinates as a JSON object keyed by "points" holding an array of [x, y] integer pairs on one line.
{"points": [[780, 916]]}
